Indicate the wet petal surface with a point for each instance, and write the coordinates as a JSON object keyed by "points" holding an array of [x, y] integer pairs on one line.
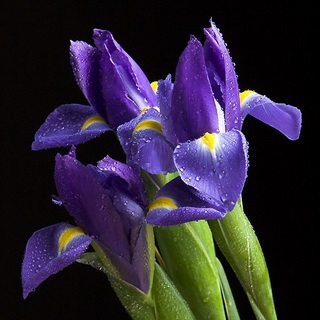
{"points": [[283, 117], [215, 165], [67, 125], [48, 251], [176, 203]]}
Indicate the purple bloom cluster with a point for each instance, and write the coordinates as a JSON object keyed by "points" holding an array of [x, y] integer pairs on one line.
{"points": [[188, 125]]}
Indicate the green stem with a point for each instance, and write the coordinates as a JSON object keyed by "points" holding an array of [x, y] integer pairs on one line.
{"points": [[189, 256], [239, 244]]}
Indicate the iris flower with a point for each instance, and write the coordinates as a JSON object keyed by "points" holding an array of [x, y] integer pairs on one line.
{"points": [[112, 82], [202, 114], [108, 204], [186, 136]]}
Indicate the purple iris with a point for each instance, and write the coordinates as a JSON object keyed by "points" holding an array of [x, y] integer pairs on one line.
{"points": [[108, 203], [114, 85], [202, 114]]}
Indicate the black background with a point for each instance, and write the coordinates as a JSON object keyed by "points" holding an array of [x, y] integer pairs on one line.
{"points": [[273, 48]]}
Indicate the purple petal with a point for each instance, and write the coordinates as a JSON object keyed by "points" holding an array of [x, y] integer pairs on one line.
{"points": [[138, 82], [134, 184], [85, 61], [215, 165], [145, 146], [124, 134], [283, 117], [124, 268], [155, 156], [141, 258], [88, 202], [165, 88], [50, 250], [69, 124], [129, 208], [176, 203], [125, 88], [222, 76], [193, 105]]}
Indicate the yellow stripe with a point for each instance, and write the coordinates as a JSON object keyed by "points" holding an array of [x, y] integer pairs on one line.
{"points": [[245, 94], [91, 121], [148, 124], [209, 139], [154, 86], [145, 109], [162, 202], [67, 235]]}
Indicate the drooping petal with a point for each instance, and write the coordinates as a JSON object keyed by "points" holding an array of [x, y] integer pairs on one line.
{"points": [[145, 145], [85, 63], [193, 106], [176, 203], [81, 192], [283, 117], [50, 250], [215, 165], [69, 124], [222, 76]]}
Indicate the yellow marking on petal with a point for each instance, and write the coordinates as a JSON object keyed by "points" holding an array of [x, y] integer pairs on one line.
{"points": [[245, 94], [154, 86], [90, 121], [162, 202], [145, 109], [148, 124], [209, 139], [67, 236]]}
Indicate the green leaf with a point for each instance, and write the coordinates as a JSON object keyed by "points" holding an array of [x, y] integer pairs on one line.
{"points": [[188, 253], [139, 305], [229, 303], [239, 244], [169, 304]]}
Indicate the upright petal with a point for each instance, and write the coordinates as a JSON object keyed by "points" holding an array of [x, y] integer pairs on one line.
{"points": [[50, 250], [85, 63], [285, 118], [128, 68], [129, 197], [143, 256], [164, 91], [222, 76], [130, 204], [69, 124], [125, 172], [193, 104], [125, 88]]}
